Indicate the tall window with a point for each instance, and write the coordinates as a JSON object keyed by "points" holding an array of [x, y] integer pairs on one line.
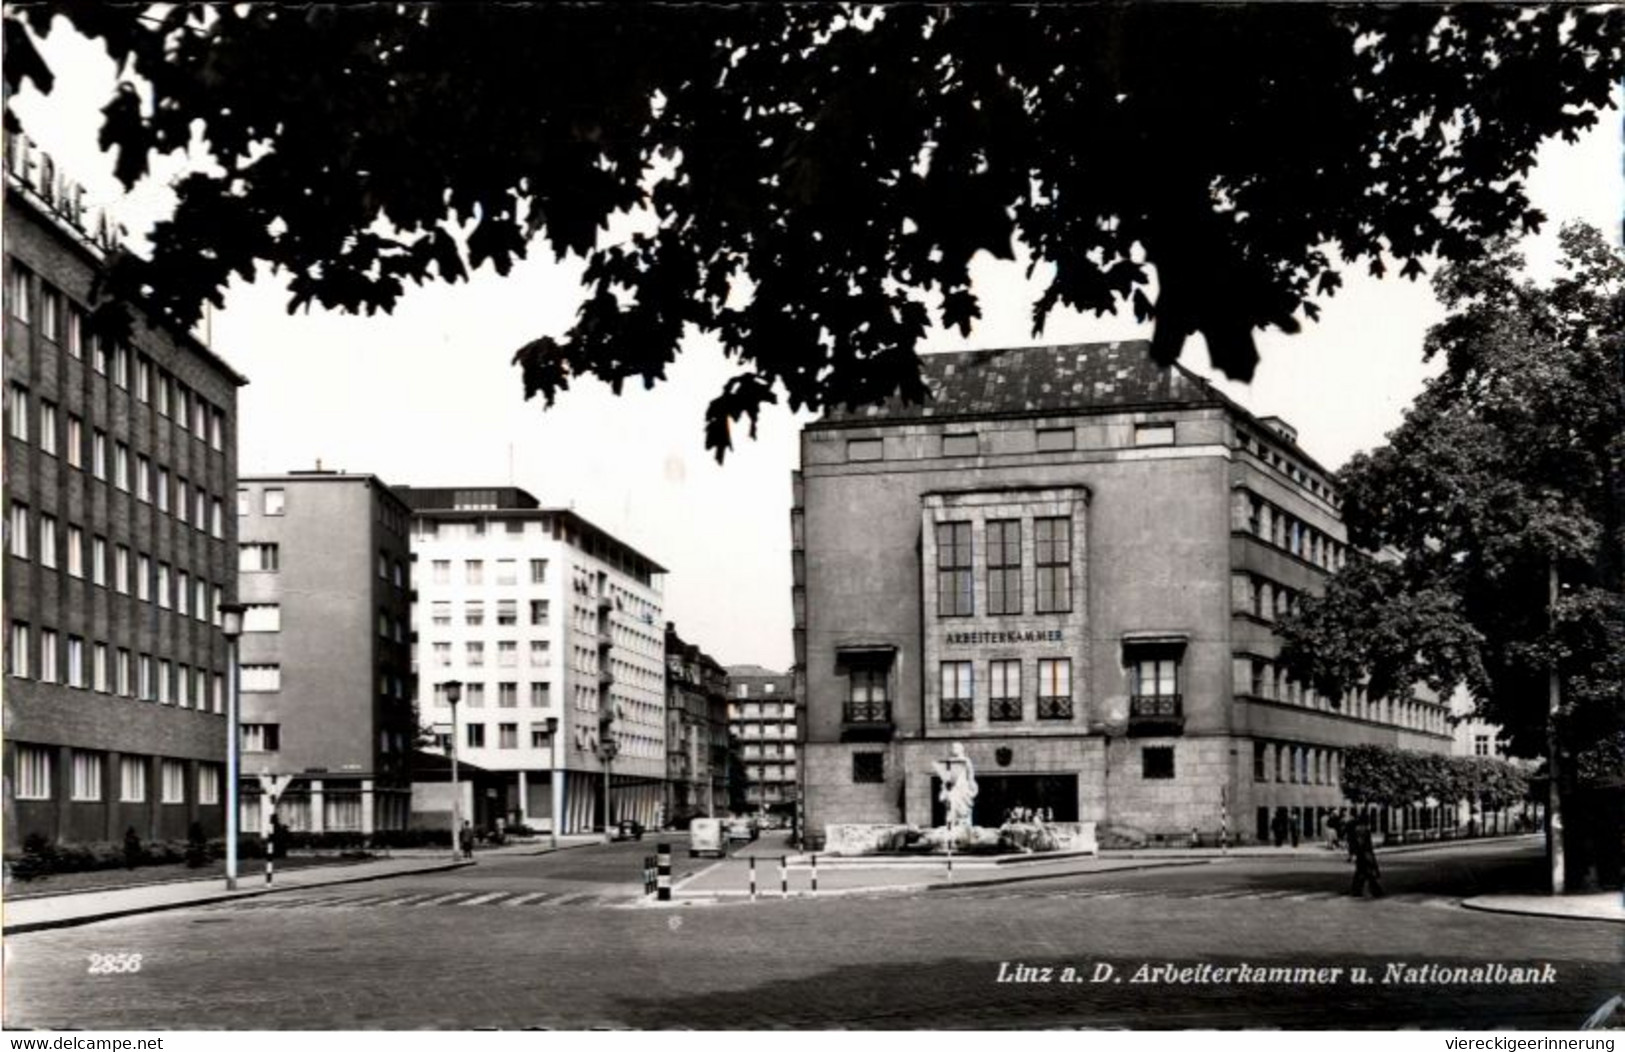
{"points": [[507, 571], [98, 453], [47, 541], [50, 312], [174, 781], [47, 655], [476, 735], [47, 427], [33, 772], [507, 654], [507, 735], [538, 571], [1004, 566], [21, 644], [958, 691], [1155, 677], [132, 777], [121, 466], [474, 694], [538, 611], [98, 560], [540, 697], [163, 489], [507, 695], [208, 783], [76, 552], [76, 441], [1260, 761], [955, 587], [276, 501], [1052, 543], [19, 411], [442, 571], [1004, 690], [868, 697], [440, 612], [476, 655], [1055, 688], [507, 611], [474, 571], [17, 293], [19, 530], [539, 653], [87, 775], [76, 661], [474, 612]]}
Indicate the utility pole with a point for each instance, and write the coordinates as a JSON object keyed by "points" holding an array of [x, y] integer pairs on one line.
{"points": [[1554, 807]]}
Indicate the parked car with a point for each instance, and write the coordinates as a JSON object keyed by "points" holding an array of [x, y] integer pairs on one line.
{"points": [[743, 829], [627, 829]]}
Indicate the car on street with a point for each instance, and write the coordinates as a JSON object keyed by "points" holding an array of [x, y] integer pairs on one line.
{"points": [[743, 829]]}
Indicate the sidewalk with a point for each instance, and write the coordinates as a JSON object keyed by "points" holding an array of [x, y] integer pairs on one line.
{"points": [[1597, 906], [85, 907]]}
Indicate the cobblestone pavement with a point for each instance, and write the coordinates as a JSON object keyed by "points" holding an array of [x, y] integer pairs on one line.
{"points": [[370, 958]]}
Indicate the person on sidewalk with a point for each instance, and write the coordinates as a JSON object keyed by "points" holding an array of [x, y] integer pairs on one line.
{"points": [[1278, 826], [1364, 852], [465, 839]]}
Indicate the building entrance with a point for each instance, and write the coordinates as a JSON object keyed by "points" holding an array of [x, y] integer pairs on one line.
{"points": [[999, 794]]}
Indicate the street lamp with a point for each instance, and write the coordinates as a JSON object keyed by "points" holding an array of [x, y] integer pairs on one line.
{"points": [[557, 796], [454, 694], [231, 625], [608, 748]]}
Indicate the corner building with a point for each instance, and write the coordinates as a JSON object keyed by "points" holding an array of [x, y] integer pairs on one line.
{"points": [[1069, 560], [119, 460], [326, 660], [555, 630]]}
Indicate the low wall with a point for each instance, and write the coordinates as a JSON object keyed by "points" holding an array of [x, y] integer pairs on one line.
{"points": [[854, 839]]}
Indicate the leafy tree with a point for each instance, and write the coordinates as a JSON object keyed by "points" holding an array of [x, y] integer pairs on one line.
{"points": [[1510, 463], [819, 177]]}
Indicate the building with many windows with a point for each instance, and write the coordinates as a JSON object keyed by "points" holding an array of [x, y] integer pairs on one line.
{"points": [[120, 459], [696, 731], [324, 576], [762, 717], [1070, 561], [555, 631]]}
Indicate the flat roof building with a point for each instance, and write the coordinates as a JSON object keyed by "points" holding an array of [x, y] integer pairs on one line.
{"points": [[1070, 561], [556, 632], [762, 718], [696, 731], [120, 459], [324, 576]]}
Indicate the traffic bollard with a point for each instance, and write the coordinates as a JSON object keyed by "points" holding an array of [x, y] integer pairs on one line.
{"points": [[815, 875], [784, 877], [753, 878], [663, 877]]}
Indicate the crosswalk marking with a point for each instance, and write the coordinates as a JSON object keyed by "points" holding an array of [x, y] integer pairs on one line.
{"points": [[522, 899], [480, 899]]}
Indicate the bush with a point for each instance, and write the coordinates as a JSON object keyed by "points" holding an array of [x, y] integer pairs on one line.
{"points": [[410, 838], [39, 858], [133, 854]]}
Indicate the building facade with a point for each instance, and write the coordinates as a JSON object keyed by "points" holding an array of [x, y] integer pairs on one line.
{"points": [[324, 576], [554, 628], [762, 717], [1070, 561], [696, 731], [120, 457]]}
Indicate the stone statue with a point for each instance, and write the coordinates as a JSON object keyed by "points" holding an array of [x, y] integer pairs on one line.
{"points": [[958, 776]]}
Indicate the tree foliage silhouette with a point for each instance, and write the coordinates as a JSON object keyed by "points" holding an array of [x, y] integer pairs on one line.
{"points": [[821, 176]]}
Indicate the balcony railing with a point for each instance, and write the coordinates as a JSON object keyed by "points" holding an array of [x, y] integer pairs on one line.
{"points": [[1058, 708], [956, 710], [1156, 712], [1004, 709], [867, 712]]}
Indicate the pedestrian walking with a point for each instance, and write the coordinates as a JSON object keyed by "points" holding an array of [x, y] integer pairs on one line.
{"points": [[1364, 852], [465, 839], [1334, 824], [1278, 826], [1297, 829]]}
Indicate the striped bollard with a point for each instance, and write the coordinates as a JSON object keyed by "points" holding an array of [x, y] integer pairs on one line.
{"points": [[270, 854], [815, 875], [753, 878], [784, 877], [663, 875]]}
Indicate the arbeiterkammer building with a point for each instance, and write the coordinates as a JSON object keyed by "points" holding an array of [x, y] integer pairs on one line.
{"points": [[1070, 561], [119, 460]]}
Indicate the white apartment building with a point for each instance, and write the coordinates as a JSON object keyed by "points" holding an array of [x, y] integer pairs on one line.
{"points": [[556, 633]]}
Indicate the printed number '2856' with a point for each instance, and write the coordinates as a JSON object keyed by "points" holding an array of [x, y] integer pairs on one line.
{"points": [[114, 963]]}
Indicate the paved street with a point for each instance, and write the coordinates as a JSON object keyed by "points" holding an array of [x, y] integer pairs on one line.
{"points": [[559, 941]]}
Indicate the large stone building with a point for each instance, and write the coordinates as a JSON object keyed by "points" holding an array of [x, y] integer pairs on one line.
{"points": [[1069, 561], [120, 457], [554, 628], [326, 663], [762, 716], [696, 731]]}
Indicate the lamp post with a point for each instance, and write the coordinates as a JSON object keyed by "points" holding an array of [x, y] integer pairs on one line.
{"points": [[557, 796], [608, 748], [454, 694], [231, 625]]}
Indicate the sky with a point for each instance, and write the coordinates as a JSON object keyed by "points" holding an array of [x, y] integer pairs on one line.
{"points": [[429, 395]]}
